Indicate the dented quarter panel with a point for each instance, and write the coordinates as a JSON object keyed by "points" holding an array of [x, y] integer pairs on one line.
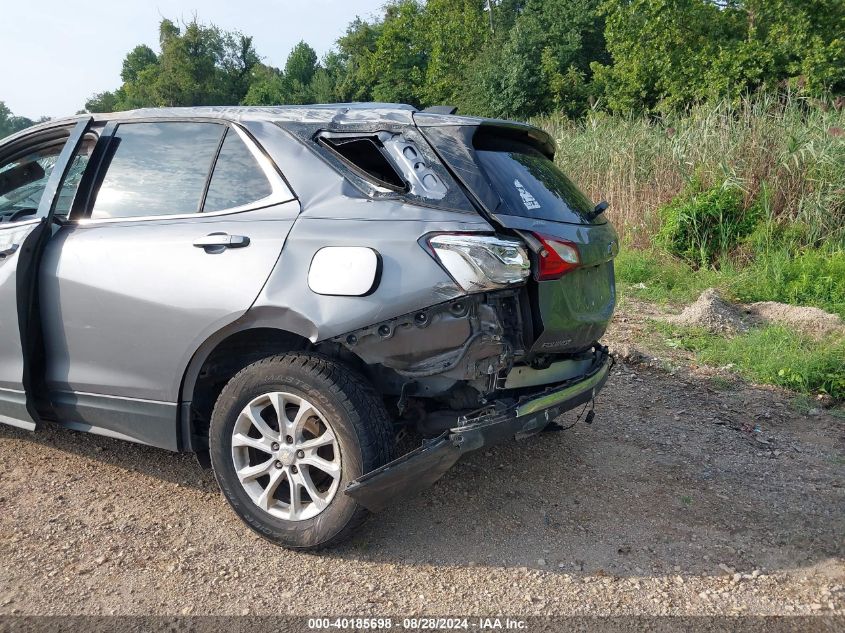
{"points": [[410, 278]]}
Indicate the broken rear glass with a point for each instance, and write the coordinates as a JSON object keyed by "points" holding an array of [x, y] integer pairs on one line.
{"points": [[530, 184]]}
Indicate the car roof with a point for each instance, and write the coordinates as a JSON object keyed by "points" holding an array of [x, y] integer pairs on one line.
{"points": [[364, 115]]}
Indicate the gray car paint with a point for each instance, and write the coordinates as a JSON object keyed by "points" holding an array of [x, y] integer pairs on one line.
{"points": [[12, 395], [126, 304], [146, 347]]}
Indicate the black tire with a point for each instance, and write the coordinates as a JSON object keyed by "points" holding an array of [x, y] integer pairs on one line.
{"points": [[360, 424]]}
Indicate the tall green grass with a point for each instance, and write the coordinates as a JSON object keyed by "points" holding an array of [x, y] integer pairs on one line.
{"points": [[800, 276], [791, 145]]}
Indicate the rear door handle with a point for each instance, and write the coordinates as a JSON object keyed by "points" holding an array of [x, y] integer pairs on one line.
{"points": [[221, 241], [9, 251]]}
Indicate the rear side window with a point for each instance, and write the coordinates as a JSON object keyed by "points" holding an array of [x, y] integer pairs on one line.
{"points": [[157, 169], [530, 184], [237, 179]]}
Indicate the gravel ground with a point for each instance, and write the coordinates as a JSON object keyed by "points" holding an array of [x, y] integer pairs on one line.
{"points": [[681, 498]]}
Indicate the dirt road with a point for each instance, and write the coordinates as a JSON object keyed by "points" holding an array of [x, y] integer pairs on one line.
{"points": [[679, 498]]}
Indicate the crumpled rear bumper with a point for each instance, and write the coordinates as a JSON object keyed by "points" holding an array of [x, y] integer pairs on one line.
{"points": [[420, 468]]}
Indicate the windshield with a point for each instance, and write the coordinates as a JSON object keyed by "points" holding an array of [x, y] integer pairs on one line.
{"points": [[531, 185]]}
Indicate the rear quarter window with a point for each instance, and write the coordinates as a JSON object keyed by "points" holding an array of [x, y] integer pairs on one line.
{"points": [[530, 184], [237, 179]]}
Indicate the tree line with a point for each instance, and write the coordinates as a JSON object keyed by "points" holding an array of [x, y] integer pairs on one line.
{"points": [[509, 58]]}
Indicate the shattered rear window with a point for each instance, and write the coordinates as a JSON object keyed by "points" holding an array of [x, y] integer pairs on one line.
{"points": [[366, 155], [530, 184]]}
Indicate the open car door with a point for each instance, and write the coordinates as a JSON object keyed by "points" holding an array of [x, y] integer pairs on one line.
{"points": [[32, 170]]}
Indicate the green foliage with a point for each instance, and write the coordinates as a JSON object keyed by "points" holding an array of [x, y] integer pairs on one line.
{"points": [[396, 68], [9, 123], [137, 61], [519, 59], [771, 354], [789, 146], [541, 62], [197, 65], [703, 225], [669, 53], [806, 276], [453, 32], [656, 276]]}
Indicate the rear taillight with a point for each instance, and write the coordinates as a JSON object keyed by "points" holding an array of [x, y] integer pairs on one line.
{"points": [[556, 257], [481, 262]]}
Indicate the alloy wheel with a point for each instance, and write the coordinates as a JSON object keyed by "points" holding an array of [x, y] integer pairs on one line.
{"points": [[286, 456]]}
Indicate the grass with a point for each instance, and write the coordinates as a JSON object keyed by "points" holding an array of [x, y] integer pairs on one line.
{"points": [[656, 276], [813, 277], [789, 147], [784, 156], [772, 354]]}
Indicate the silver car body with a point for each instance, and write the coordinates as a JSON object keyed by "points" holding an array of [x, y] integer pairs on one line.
{"points": [[134, 314]]}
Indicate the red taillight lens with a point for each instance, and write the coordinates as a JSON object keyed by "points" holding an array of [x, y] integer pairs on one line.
{"points": [[556, 257]]}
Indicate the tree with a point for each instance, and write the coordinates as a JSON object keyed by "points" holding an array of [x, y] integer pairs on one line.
{"points": [[197, 65], [354, 61], [267, 87], [667, 54], [300, 68], [104, 102], [9, 123], [396, 68], [454, 31], [136, 61], [540, 64]]}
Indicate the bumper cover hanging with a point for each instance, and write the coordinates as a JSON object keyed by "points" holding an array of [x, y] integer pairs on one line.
{"points": [[420, 468]]}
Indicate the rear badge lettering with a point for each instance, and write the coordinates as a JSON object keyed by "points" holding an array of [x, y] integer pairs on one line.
{"points": [[528, 200]]}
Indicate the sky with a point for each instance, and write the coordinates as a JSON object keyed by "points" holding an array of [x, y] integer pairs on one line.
{"points": [[57, 53]]}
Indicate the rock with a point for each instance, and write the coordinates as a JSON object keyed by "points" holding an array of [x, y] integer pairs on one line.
{"points": [[541, 562], [630, 354]]}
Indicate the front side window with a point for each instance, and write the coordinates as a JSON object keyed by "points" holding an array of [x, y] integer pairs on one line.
{"points": [[237, 179], [22, 182], [157, 169]]}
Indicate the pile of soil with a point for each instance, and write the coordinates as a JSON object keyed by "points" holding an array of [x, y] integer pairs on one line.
{"points": [[810, 320], [712, 312]]}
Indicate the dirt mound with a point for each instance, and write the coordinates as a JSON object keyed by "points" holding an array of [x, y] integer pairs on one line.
{"points": [[806, 319], [712, 312]]}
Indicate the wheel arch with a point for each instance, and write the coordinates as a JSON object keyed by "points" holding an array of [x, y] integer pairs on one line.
{"points": [[216, 361], [261, 333]]}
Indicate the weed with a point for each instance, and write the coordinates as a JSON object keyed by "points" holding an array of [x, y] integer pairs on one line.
{"points": [[771, 354], [703, 225], [780, 142], [656, 276]]}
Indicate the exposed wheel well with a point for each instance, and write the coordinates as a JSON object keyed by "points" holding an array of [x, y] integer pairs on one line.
{"points": [[229, 357]]}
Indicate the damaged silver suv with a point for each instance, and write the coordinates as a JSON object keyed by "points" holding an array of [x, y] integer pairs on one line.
{"points": [[283, 291]]}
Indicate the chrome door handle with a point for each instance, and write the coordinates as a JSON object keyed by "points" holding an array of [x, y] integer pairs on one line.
{"points": [[9, 251], [221, 241]]}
